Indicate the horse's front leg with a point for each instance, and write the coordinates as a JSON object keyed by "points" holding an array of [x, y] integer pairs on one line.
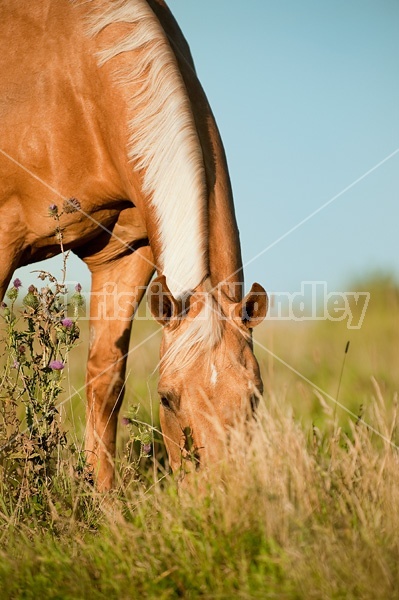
{"points": [[116, 291], [11, 243]]}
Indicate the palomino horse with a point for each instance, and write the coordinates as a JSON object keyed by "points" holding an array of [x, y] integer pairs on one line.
{"points": [[100, 102]]}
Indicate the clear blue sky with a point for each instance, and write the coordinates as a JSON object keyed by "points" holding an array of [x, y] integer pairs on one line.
{"points": [[306, 95]]}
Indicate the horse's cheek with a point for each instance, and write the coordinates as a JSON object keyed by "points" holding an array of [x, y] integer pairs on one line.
{"points": [[172, 433]]}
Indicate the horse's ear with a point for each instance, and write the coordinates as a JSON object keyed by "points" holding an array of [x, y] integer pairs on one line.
{"points": [[253, 308], [162, 304]]}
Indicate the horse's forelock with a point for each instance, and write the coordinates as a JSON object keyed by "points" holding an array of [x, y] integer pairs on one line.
{"points": [[199, 340]]}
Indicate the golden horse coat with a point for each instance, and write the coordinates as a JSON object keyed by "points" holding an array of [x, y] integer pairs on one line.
{"points": [[100, 102]]}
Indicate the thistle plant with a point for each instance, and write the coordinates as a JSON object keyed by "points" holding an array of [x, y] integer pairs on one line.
{"points": [[38, 337], [140, 435]]}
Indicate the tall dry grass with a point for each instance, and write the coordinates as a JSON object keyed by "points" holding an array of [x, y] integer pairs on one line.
{"points": [[304, 504]]}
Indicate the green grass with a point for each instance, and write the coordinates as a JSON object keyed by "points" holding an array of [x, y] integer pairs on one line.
{"points": [[305, 504]]}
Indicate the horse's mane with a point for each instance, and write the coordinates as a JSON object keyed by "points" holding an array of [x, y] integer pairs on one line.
{"points": [[163, 139]]}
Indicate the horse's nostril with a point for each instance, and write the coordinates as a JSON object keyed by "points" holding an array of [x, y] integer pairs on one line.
{"points": [[188, 439], [189, 450]]}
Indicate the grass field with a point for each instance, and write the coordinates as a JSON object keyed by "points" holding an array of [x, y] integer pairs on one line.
{"points": [[305, 505]]}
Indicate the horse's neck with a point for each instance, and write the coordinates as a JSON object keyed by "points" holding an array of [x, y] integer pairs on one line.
{"points": [[191, 225], [163, 145], [224, 242], [225, 263]]}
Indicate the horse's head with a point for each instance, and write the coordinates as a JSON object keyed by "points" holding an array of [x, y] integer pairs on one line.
{"points": [[209, 376]]}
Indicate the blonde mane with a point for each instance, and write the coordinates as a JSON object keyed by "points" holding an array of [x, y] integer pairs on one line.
{"points": [[163, 140]]}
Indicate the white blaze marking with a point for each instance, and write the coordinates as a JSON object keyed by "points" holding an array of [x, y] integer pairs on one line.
{"points": [[214, 374]]}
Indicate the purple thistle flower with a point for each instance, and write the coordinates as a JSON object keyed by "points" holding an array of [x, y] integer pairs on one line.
{"points": [[31, 289], [78, 288], [68, 323], [21, 349], [56, 365], [3, 305], [125, 421], [53, 209], [17, 283], [146, 448]]}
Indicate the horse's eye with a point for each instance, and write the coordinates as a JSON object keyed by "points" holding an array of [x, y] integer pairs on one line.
{"points": [[169, 399], [166, 402]]}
